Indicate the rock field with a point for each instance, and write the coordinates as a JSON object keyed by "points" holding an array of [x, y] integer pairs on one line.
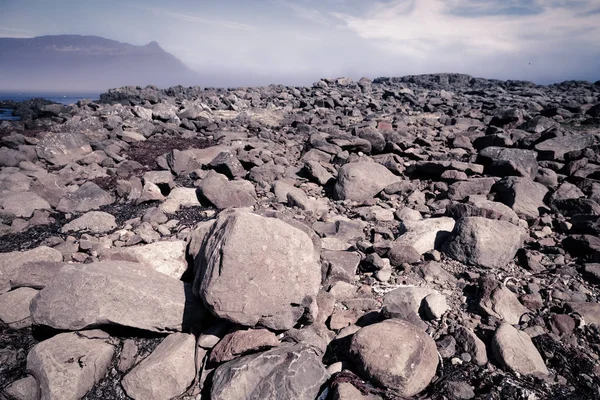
{"points": [[426, 237]]}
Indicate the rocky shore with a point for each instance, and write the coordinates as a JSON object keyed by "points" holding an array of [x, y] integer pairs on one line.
{"points": [[427, 237]]}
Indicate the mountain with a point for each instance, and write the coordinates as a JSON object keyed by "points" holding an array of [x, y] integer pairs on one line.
{"points": [[74, 63]]}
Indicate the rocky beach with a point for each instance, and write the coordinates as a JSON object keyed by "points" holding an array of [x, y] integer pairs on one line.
{"points": [[421, 237]]}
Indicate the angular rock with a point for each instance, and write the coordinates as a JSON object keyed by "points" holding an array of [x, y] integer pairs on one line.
{"points": [[556, 148], [114, 292], [88, 197], [523, 195], [23, 204], [284, 373], [498, 301], [14, 307], [515, 351], [479, 206], [362, 181], [468, 342], [425, 234], [222, 193], [502, 161], [241, 343], [166, 257], [12, 263], [23, 389], [62, 148], [92, 221], [484, 242], [256, 270], [166, 373], [406, 365], [69, 364], [473, 186]]}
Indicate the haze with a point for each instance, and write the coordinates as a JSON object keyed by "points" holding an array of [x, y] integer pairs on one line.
{"points": [[240, 42]]}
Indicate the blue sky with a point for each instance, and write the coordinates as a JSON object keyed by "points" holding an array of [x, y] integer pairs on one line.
{"points": [[297, 42]]}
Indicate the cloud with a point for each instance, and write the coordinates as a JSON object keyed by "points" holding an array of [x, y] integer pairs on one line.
{"points": [[8, 32], [208, 20], [435, 29], [307, 13]]}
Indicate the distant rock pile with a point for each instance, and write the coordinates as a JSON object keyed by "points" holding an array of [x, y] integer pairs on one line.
{"points": [[433, 236]]}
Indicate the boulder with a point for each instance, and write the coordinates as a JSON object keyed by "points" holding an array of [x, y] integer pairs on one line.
{"points": [[23, 204], [425, 234], [502, 161], [166, 257], [12, 263], [256, 270], [484, 242], [515, 351], [556, 148], [222, 193], [362, 181], [114, 293], [406, 365], [14, 307], [62, 148], [92, 221], [166, 373], [283, 373], [523, 195], [68, 365], [242, 342], [88, 196]]}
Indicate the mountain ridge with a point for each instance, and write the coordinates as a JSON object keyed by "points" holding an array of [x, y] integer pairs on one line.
{"points": [[86, 63]]}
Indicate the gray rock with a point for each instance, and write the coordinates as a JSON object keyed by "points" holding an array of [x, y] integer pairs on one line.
{"points": [[347, 391], [62, 148], [166, 373], [362, 181], [166, 257], [479, 206], [69, 364], [318, 172], [14, 307], [373, 136], [523, 195], [406, 365], [283, 373], [23, 204], [405, 302], [498, 301], [515, 351], [222, 193], [23, 389], [484, 242], [556, 148], [92, 221], [12, 263], [502, 161], [228, 164], [473, 186], [425, 234], [256, 270], [589, 311], [241, 343], [88, 197], [114, 292], [468, 342]]}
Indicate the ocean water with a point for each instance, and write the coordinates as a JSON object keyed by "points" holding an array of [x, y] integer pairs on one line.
{"points": [[62, 98]]}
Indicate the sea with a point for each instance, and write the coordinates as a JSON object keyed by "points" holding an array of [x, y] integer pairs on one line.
{"points": [[62, 98]]}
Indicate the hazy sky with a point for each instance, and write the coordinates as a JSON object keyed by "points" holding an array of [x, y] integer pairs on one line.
{"points": [[297, 42]]}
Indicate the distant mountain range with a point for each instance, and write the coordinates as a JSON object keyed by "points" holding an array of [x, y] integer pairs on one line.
{"points": [[75, 63]]}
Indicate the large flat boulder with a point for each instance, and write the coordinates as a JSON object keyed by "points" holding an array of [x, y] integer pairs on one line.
{"points": [[256, 270], [515, 351], [501, 161], [362, 181], [397, 355], [484, 242], [166, 257], [88, 196], [113, 293], [68, 365], [62, 148], [283, 373]]}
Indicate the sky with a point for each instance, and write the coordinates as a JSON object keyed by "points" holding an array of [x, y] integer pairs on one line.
{"points": [[298, 42]]}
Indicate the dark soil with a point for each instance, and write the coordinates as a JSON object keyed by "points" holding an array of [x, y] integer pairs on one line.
{"points": [[14, 347], [146, 152]]}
